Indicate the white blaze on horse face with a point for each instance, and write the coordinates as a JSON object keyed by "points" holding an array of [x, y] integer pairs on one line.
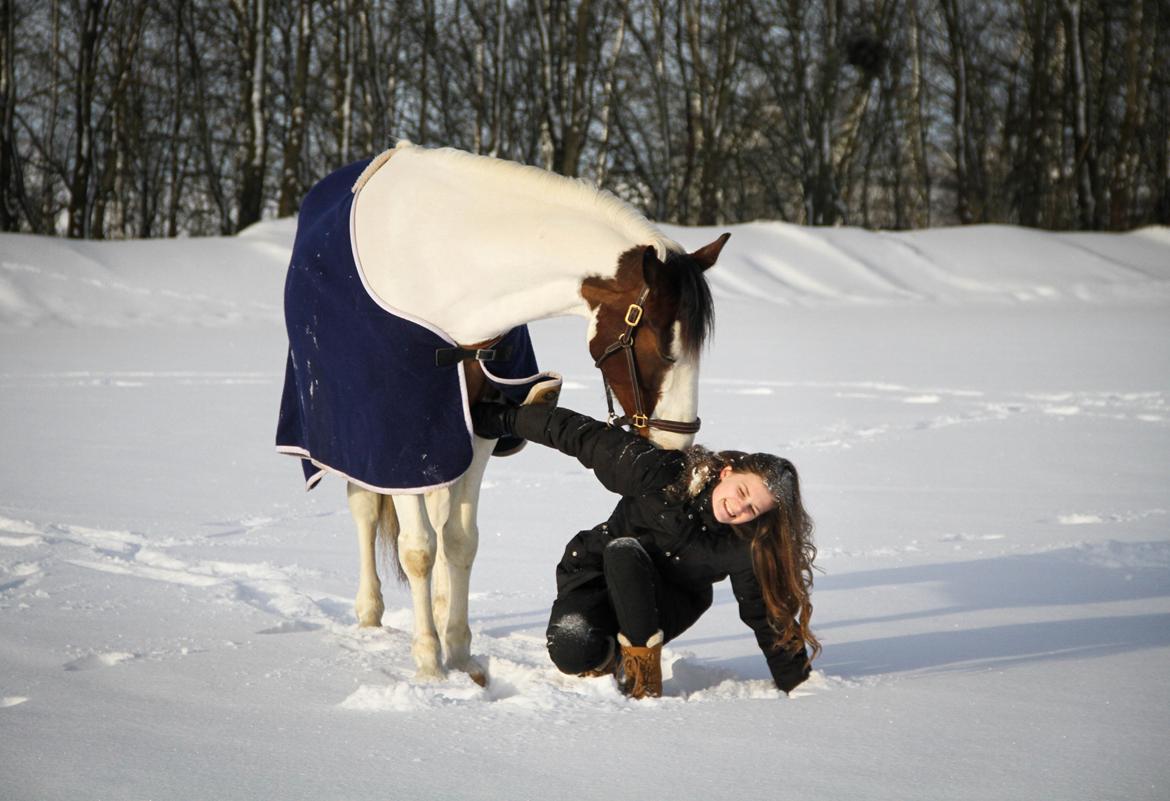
{"points": [[679, 397], [591, 332]]}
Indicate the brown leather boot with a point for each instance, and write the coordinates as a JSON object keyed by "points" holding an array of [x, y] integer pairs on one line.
{"points": [[641, 671]]}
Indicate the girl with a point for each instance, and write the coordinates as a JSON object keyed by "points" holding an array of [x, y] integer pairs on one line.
{"points": [[686, 520]]}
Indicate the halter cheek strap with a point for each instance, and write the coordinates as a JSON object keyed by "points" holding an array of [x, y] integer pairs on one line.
{"points": [[625, 341]]}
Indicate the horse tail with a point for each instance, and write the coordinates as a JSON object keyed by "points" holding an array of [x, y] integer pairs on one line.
{"points": [[387, 533]]}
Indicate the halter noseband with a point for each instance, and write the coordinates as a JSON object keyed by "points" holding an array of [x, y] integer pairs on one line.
{"points": [[625, 341]]}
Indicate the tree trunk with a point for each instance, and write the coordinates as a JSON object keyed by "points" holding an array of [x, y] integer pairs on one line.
{"points": [[952, 11], [1034, 181], [348, 55], [497, 120], [117, 126], [175, 179], [255, 156], [608, 95], [13, 198], [290, 182], [1085, 164], [424, 78], [576, 118], [916, 117], [212, 162], [80, 201], [1139, 59]]}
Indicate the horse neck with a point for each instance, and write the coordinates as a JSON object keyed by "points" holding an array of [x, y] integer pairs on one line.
{"points": [[478, 253]]}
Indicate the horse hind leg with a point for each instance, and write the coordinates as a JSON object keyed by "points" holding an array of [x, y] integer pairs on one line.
{"points": [[366, 509], [417, 543], [458, 545]]}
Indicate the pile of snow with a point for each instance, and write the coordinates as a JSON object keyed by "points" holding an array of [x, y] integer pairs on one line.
{"points": [[778, 262]]}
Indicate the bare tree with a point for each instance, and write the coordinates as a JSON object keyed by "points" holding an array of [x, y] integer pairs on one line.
{"points": [[290, 183], [129, 117], [93, 25], [14, 203], [252, 18]]}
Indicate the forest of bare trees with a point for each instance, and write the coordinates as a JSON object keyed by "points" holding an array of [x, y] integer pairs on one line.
{"points": [[146, 118]]}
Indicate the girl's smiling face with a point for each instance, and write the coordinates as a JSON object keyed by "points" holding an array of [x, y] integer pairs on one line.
{"points": [[740, 497]]}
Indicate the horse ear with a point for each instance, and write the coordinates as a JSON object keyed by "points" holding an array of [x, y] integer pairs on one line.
{"points": [[707, 254]]}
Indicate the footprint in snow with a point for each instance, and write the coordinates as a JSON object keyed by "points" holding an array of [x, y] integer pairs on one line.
{"points": [[19, 574], [1079, 519], [95, 661], [970, 537], [1092, 518], [291, 627], [20, 542]]}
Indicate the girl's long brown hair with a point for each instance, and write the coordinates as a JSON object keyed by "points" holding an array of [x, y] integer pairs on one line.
{"points": [[781, 540]]}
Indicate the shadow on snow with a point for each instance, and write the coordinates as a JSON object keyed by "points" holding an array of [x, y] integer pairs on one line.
{"points": [[1103, 573]]}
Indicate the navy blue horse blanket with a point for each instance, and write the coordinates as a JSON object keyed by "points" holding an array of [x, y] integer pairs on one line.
{"points": [[363, 394]]}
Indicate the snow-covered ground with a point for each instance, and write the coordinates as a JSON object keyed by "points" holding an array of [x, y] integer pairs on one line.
{"points": [[982, 422]]}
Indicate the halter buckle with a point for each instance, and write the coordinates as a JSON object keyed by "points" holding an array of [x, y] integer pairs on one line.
{"points": [[639, 421], [634, 311]]}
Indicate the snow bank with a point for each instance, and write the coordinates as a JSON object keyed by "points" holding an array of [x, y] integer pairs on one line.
{"points": [[218, 281]]}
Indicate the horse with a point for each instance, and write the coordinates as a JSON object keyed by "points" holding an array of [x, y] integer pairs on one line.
{"points": [[471, 247]]}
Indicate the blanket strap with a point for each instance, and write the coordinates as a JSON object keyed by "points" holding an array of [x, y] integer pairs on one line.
{"points": [[448, 357]]}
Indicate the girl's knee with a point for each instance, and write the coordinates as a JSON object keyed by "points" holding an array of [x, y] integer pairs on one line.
{"points": [[620, 546], [625, 560], [624, 551], [574, 646]]}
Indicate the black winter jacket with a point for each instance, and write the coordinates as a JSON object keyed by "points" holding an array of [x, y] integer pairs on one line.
{"points": [[689, 547]]}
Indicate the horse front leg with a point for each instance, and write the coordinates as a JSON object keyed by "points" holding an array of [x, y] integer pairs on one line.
{"points": [[365, 506], [416, 553], [460, 542]]}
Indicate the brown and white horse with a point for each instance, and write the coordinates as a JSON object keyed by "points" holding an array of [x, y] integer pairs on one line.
{"points": [[490, 245]]}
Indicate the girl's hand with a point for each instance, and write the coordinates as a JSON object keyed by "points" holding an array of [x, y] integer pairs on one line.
{"points": [[492, 420]]}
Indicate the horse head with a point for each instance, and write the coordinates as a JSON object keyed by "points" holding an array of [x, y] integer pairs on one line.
{"points": [[650, 322]]}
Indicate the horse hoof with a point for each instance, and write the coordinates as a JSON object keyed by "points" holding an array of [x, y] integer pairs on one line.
{"points": [[475, 671], [369, 615], [429, 675], [370, 620]]}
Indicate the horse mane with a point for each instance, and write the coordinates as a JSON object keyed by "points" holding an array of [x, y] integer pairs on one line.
{"points": [[549, 187], [696, 307], [683, 275]]}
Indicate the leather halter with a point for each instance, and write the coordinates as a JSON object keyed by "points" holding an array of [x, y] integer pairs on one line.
{"points": [[625, 341]]}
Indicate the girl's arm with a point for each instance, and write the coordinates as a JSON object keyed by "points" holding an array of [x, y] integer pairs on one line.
{"points": [[788, 668], [624, 463]]}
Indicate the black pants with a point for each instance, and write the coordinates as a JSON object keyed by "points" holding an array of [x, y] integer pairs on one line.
{"points": [[631, 598]]}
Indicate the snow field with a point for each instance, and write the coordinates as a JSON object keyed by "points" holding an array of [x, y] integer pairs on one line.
{"points": [[980, 421]]}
